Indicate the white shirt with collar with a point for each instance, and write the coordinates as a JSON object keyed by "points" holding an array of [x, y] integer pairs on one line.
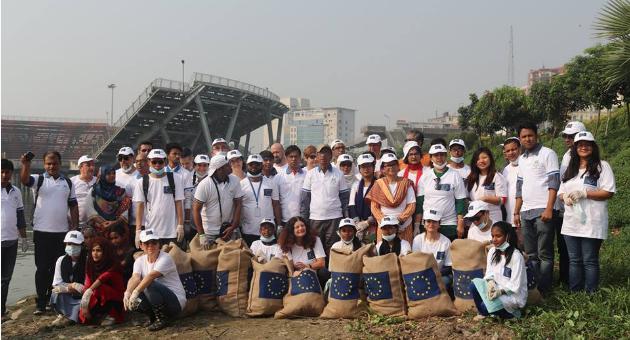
{"points": [[81, 189], [160, 211], [254, 211], [535, 167], [51, 208], [11, 204], [463, 172], [206, 192], [442, 199], [129, 190], [509, 276], [289, 188], [122, 178], [325, 189]]}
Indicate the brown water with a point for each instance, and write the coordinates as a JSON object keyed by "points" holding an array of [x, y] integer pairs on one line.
{"points": [[23, 280]]}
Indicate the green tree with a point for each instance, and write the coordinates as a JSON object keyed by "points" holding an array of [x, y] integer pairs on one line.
{"points": [[466, 112]]}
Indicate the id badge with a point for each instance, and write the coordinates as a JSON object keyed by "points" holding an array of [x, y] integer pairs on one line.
{"points": [[311, 254], [167, 190], [507, 272], [267, 192], [440, 255]]}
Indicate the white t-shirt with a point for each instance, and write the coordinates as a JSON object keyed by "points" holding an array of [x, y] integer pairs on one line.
{"points": [[443, 200], [290, 188], [253, 212], [81, 189], [131, 186], [306, 256], [409, 198], [123, 178], [510, 173], [267, 252], [474, 233], [441, 249], [206, 192], [588, 218], [51, 210], [160, 210], [534, 169], [497, 188], [512, 277], [405, 247], [165, 266], [564, 164], [325, 189], [11, 204], [463, 172]]}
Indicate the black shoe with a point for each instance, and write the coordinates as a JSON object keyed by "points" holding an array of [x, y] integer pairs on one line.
{"points": [[161, 320]]}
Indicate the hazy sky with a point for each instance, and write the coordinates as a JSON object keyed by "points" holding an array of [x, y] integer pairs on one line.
{"points": [[403, 58]]}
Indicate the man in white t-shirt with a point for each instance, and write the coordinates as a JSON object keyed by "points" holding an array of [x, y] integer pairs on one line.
{"points": [[219, 146], [142, 166], [260, 200], [279, 158], [162, 202], [374, 145], [82, 184], [511, 152], [457, 150], [289, 183], [127, 171], [338, 148], [218, 203]]}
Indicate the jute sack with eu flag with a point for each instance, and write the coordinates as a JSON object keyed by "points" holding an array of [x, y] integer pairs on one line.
{"points": [[425, 290], [184, 269], [383, 285], [344, 294], [233, 275], [269, 285], [469, 262], [304, 297]]}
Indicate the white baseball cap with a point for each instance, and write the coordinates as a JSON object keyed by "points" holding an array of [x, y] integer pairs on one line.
{"points": [[408, 146], [475, 207], [156, 153], [216, 162], [347, 222], [218, 140], [432, 215], [344, 158], [365, 158], [389, 220], [74, 236], [202, 159], [388, 157], [234, 154], [373, 139], [267, 220], [457, 141], [335, 142], [83, 159], [437, 148], [254, 158], [125, 151], [584, 135], [573, 127], [148, 235]]}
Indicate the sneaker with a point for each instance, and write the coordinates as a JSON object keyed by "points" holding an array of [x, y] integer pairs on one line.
{"points": [[479, 317], [108, 321], [39, 311]]}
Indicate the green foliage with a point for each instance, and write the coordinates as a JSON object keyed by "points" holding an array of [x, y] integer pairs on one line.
{"points": [[613, 24]]}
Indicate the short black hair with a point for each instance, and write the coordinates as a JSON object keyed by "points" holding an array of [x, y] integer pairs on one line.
{"points": [[325, 149], [146, 142], [528, 126], [266, 154], [512, 140], [293, 148], [7, 164], [186, 152], [171, 146], [419, 135], [438, 140], [52, 153]]}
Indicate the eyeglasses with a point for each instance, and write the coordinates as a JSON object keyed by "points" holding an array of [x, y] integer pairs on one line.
{"points": [[145, 150], [126, 158], [157, 161]]}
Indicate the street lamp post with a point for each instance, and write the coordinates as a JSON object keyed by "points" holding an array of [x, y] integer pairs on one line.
{"points": [[112, 86], [183, 88]]}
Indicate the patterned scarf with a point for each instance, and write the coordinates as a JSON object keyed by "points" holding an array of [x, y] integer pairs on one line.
{"points": [[107, 197]]}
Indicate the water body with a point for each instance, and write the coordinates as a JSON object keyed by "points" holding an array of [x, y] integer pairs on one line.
{"points": [[23, 280]]}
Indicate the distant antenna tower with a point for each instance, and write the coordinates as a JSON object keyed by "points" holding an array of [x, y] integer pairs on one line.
{"points": [[511, 61]]}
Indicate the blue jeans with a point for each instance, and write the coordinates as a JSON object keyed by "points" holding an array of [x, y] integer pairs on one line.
{"points": [[158, 294], [583, 263], [538, 237], [481, 307]]}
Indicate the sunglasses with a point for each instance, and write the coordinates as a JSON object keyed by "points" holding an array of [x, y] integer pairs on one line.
{"points": [[126, 158], [145, 150], [157, 161]]}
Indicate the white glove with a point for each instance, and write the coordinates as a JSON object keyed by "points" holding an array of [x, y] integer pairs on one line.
{"points": [[78, 287], [134, 302], [204, 240], [126, 300], [137, 240], [362, 225], [85, 299], [492, 288], [60, 289], [577, 195], [24, 241], [568, 200], [180, 233]]}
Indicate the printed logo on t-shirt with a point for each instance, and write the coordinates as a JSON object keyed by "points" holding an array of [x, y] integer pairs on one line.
{"points": [[507, 271], [590, 181], [267, 192], [443, 187], [311, 254], [168, 190], [489, 186], [440, 255]]}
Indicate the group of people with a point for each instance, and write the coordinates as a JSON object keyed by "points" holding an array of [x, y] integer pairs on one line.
{"points": [[300, 204]]}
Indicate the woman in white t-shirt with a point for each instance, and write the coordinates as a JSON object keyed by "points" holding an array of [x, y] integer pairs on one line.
{"points": [[391, 242], [481, 222], [586, 186], [301, 245], [432, 242], [155, 288], [486, 184], [347, 232], [266, 247]]}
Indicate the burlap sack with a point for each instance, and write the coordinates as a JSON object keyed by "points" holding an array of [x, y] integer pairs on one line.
{"points": [[269, 285], [304, 297], [426, 293], [469, 262], [233, 273], [204, 266], [383, 285], [184, 269], [345, 271]]}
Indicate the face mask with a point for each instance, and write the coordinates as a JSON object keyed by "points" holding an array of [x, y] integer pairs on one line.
{"points": [[267, 239], [389, 238], [481, 225], [156, 172], [344, 241], [504, 246], [439, 166], [251, 175], [201, 174], [127, 169], [514, 163], [457, 159], [73, 250]]}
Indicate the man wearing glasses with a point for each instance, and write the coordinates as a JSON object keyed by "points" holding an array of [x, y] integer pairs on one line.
{"points": [[145, 147], [127, 171]]}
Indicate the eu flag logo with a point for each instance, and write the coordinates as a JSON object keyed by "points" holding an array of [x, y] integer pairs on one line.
{"points": [[306, 282], [377, 286], [462, 280], [190, 287], [205, 281], [421, 285], [345, 286], [531, 277], [272, 285], [222, 282]]}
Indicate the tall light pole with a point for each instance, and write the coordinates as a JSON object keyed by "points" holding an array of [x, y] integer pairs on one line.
{"points": [[111, 112], [183, 88]]}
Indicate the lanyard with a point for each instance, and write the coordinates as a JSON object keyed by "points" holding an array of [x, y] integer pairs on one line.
{"points": [[256, 194]]}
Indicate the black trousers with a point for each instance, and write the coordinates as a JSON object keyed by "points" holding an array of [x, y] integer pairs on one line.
{"points": [[9, 254], [562, 250], [48, 248]]}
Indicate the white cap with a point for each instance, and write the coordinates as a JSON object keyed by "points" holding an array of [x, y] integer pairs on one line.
{"points": [[365, 158], [344, 158], [74, 236], [347, 222], [335, 142], [475, 207], [156, 153], [254, 158], [584, 135], [437, 148], [389, 220], [216, 162], [148, 235], [432, 215], [202, 159], [388, 157], [373, 139], [83, 159], [234, 154], [573, 128], [457, 141], [268, 220], [408, 146], [125, 151], [218, 140]]}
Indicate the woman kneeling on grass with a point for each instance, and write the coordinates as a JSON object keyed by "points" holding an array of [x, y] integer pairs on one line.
{"points": [[503, 290]]}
